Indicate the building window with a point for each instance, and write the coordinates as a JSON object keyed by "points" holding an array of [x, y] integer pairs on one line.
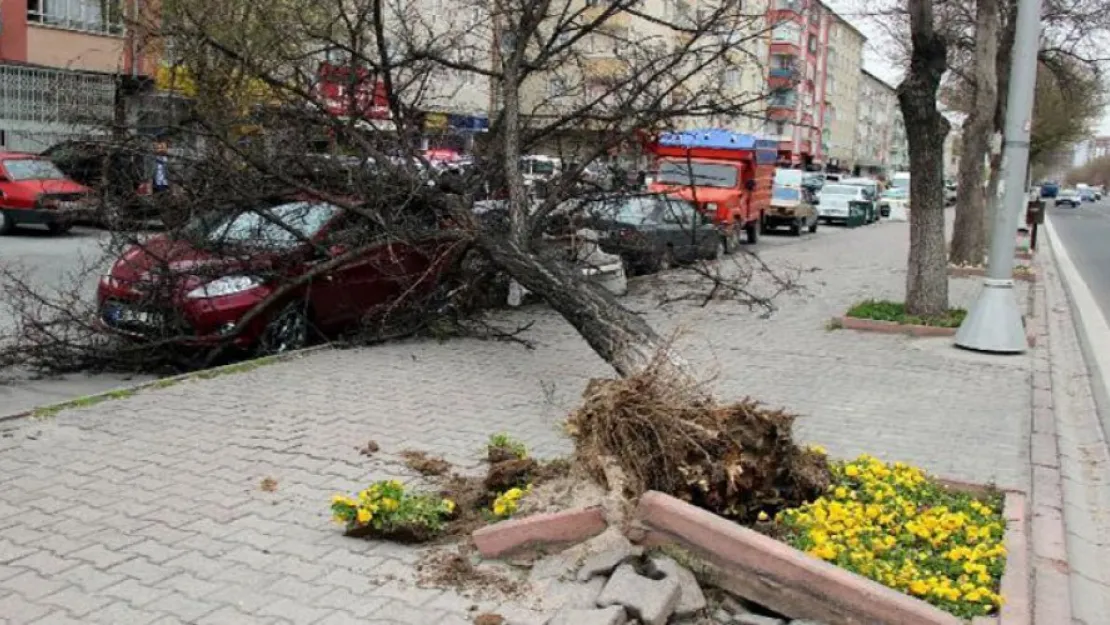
{"points": [[731, 78], [813, 43], [557, 87], [787, 32], [98, 16]]}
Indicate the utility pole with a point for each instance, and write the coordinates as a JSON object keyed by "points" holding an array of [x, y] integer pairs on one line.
{"points": [[994, 323]]}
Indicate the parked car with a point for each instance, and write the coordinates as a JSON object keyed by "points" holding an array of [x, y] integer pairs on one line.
{"points": [[791, 207], [1068, 198], [1050, 190], [838, 202], [871, 195], [1087, 194], [894, 200], [653, 232], [196, 286], [33, 191]]}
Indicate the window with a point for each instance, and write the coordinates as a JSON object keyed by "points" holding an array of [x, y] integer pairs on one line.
{"points": [[98, 16], [557, 87], [787, 32], [813, 43], [700, 174], [732, 77], [830, 84], [780, 129]]}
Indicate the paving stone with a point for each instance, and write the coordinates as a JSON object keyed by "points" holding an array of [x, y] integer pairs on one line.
{"points": [[605, 562], [652, 601], [612, 615], [691, 598]]}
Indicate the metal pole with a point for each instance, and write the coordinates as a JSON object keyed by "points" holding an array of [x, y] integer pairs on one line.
{"points": [[994, 323]]}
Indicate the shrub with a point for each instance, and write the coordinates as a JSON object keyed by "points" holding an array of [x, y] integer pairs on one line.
{"points": [[880, 310], [384, 509], [501, 447], [892, 524]]}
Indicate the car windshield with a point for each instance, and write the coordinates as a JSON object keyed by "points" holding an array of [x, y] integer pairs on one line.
{"points": [[700, 174], [839, 189], [278, 230], [32, 169], [894, 193], [633, 210], [787, 194], [901, 183]]}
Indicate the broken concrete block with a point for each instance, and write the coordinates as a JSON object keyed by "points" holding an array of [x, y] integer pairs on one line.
{"points": [[613, 615], [652, 601], [691, 599], [603, 563], [563, 594], [756, 619]]}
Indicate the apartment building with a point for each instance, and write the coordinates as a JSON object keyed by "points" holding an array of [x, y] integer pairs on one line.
{"points": [[899, 155], [875, 121], [64, 64], [796, 83], [844, 58]]}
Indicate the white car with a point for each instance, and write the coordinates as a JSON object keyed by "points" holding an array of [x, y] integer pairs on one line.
{"points": [[871, 187], [837, 201]]}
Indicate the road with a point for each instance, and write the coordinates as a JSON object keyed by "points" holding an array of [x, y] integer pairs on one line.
{"points": [[1085, 232], [60, 264], [53, 264]]}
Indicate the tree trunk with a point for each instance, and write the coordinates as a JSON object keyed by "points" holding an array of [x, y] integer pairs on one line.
{"points": [[969, 237], [619, 336], [927, 275]]}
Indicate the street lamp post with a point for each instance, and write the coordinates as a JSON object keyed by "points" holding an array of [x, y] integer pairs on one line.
{"points": [[994, 323]]}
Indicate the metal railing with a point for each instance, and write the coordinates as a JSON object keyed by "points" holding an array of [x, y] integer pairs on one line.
{"points": [[46, 95]]}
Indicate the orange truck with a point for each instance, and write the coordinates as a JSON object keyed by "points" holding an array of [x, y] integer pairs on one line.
{"points": [[728, 175]]}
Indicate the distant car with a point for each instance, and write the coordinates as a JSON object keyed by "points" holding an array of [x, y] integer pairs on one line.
{"points": [[871, 192], [653, 232], [1068, 198], [33, 191], [895, 198], [1087, 194], [791, 207], [838, 202], [1050, 190]]}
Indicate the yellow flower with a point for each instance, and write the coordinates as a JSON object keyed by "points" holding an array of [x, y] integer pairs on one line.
{"points": [[840, 492], [817, 449], [919, 587], [763, 516], [389, 504], [364, 516], [449, 506], [342, 499], [851, 470]]}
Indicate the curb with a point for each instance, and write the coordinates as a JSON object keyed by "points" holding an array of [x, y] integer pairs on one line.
{"points": [[979, 272], [172, 380], [891, 327], [568, 526], [777, 575]]}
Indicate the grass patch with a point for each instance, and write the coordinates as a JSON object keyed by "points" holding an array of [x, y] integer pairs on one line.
{"points": [[881, 310]]}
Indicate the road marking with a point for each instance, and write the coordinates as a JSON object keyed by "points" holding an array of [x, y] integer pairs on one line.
{"points": [[1095, 327]]}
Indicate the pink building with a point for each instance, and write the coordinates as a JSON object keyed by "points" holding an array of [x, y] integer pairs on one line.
{"points": [[796, 78]]}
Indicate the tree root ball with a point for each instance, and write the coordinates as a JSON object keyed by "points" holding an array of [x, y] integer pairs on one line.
{"points": [[666, 433], [516, 472]]}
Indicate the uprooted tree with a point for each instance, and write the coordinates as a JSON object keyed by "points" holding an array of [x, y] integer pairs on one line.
{"points": [[587, 82]]}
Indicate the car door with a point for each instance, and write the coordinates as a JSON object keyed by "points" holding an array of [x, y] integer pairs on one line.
{"points": [[684, 230], [341, 296]]}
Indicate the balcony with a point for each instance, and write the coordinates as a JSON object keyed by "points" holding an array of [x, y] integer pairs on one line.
{"points": [[790, 73], [786, 47]]}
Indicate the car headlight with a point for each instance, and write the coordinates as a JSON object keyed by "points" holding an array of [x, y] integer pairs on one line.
{"points": [[711, 206], [228, 285]]}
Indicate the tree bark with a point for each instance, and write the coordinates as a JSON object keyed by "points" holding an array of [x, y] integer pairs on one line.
{"points": [[969, 237], [616, 334], [927, 274]]}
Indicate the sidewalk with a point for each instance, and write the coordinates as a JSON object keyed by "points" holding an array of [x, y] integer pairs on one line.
{"points": [[149, 509]]}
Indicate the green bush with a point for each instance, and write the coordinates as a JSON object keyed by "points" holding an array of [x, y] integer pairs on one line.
{"points": [[881, 310]]}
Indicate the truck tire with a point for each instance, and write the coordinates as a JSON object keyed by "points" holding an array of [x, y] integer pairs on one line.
{"points": [[813, 227], [752, 230], [6, 223], [796, 227]]}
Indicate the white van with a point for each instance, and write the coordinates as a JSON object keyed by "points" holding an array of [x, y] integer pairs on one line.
{"points": [[900, 180]]}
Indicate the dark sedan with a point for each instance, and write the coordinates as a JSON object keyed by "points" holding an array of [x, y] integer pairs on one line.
{"points": [[654, 232]]}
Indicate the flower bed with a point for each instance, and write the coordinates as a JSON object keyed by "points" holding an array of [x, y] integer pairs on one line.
{"points": [[891, 318], [386, 510], [894, 525]]}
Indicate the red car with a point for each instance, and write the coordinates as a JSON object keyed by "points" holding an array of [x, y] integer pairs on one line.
{"points": [[34, 191], [194, 290]]}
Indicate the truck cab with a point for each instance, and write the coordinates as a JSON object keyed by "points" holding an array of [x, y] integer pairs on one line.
{"points": [[726, 175]]}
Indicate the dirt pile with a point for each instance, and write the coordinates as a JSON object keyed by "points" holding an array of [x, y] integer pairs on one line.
{"points": [[665, 432]]}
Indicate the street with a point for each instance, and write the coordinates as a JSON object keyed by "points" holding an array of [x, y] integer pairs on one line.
{"points": [[1084, 232], [55, 264]]}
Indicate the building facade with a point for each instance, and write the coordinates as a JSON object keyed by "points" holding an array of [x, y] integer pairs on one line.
{"points": [[842, 91], [796, 68], [875, 121], [64, 64]]}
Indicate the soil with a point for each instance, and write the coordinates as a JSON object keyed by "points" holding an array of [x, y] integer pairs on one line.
{"points": [[424, 464], [499, 454], [369, 449], [268, 485], [489, 618], [445, 568], [507, 474]]}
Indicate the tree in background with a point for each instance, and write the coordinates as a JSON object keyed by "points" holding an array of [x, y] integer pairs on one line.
{"points": [[1095, 172], [926, 128]]}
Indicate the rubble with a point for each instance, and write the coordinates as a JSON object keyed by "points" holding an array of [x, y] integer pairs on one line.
{"points": [[613, 615], [606, 562], [691, 599], [653, 601]]}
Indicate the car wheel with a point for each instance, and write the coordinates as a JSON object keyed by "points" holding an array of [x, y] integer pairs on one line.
{"points": [[287, 331], [6, 223], [796, 227], [752, 230], [720, 251], [813, 226], [629, 268]]}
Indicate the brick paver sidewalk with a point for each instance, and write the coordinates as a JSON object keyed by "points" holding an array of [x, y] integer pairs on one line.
{"points": [[149, 509]]}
